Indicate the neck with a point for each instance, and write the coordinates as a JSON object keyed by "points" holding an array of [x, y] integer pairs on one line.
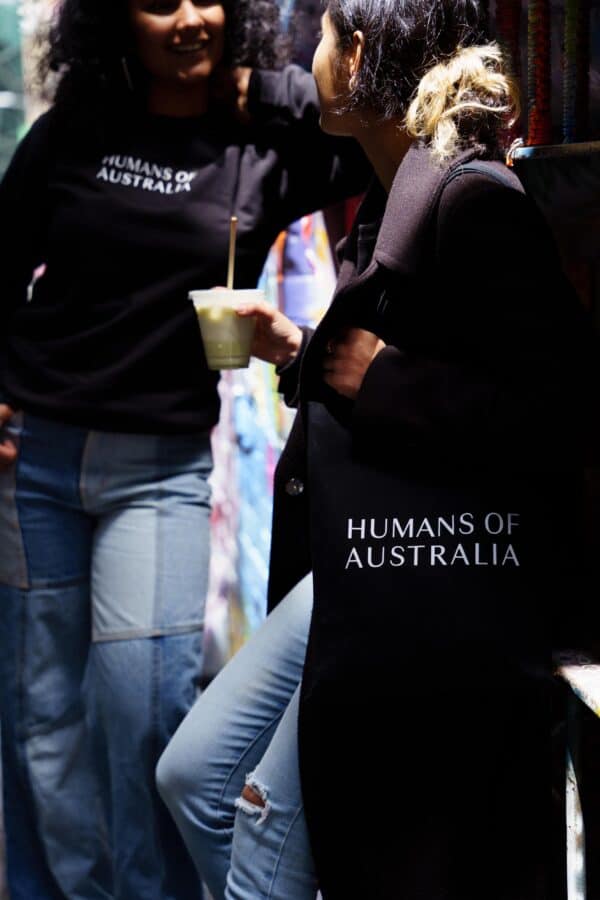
{"points": [[385, 145], [178, 101]]}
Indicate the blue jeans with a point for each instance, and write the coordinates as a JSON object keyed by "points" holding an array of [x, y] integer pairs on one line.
{"points": [[244, 729], [104, 547]]}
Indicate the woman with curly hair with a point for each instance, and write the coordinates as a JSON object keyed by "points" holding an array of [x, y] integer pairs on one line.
{"points": [[123, 192], [432, 483]]}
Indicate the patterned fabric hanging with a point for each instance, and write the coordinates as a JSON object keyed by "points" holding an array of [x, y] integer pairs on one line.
{"points": [[508, 31], [576, 67], [539, 73]]}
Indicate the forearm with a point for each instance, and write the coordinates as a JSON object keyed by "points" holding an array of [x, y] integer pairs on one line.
{"points": [[287, 96]]}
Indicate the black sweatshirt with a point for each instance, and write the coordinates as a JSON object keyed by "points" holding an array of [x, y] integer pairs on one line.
{"points": [[126, 226]]}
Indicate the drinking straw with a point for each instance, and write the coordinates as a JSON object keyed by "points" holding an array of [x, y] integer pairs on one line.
{"points": [[539, 73], [576, 85], [230, 267]]}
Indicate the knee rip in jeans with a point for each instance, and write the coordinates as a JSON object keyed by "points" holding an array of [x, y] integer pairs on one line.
{"points": [[254, 799]]}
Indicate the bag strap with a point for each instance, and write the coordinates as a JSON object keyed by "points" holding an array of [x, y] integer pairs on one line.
{"points": [[480, 168]]}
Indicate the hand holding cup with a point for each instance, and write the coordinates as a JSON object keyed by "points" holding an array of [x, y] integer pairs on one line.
{"points": [[276, 338]]}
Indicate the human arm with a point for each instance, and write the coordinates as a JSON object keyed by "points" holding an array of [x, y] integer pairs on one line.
{"points": [[318, 169], [23, 206], [281, 342]]}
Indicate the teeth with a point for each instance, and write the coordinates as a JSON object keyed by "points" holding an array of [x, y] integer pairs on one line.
{"points": [[190, 48]]}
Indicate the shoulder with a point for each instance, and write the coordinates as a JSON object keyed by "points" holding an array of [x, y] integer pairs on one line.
{"points": [[42, 129], [487, 204], [35, 146], [478, 186]]}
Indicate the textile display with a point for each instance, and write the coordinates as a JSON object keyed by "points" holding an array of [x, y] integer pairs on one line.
{"points": [[299, 278]]}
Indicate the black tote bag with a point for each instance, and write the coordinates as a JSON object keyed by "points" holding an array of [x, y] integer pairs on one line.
{"points": [[425, 709], [425, 559]]}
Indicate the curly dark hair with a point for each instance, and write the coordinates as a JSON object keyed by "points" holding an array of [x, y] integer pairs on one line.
{"points": [[88, 39], [428, 63], [408, 37]]}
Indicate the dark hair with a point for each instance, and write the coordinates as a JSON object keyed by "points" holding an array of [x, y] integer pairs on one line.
{"points": [[426, 62], [88, 39]]}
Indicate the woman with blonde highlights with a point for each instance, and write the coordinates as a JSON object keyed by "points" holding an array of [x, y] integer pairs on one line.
{"points": [[431, 482]]}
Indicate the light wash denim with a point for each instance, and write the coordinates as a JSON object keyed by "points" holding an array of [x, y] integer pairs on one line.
{"points": [[104, 547], [243, 729]]}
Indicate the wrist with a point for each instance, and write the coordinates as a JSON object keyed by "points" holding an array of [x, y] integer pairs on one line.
{"points": [[295, 344]]}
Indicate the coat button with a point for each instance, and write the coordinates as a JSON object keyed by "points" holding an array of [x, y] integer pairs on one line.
{"points": [[294, 487]]}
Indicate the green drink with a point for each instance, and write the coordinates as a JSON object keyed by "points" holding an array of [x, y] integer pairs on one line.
{"points": [[227, 337]]}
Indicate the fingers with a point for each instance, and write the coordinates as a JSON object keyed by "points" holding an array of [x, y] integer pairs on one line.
{"points": [[8, 449], [347, 358], [264, 310], [8, 453], [351, 335], [342, 384], [6, 413]]}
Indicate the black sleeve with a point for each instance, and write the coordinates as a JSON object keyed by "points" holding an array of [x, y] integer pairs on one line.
{"points": [[319, 169], [289, 374], [23, 206], [507, 372]]}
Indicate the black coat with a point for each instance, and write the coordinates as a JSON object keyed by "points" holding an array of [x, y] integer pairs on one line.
{"points": [[482, 388]]}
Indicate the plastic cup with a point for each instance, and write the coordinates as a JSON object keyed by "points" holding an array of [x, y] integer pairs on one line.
{"points": [[227, 337]]}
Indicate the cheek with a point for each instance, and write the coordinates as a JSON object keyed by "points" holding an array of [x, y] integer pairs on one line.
{"points": [[145, 38], [217, 27], [317, 64]]}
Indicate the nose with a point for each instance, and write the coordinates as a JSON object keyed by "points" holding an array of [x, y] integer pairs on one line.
{"points": [[190, 15]]}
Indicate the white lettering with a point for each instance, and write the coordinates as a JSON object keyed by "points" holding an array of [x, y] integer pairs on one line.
{"points": [[478, 559], [460, 553], [438, 553], [510, 556], [448, 526], [397, 554], [379, 537], [491, 517], [425, 527], [466, 523], [513, 522], [402, 531], [374, 565], [416, 548], [354, 559], [360, 528]]}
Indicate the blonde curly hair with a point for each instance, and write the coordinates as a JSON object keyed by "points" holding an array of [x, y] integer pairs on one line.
{"points": [[463, 99]]}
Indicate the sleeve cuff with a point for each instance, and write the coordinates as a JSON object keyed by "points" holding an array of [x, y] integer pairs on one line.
{"points": [[289, 373]]}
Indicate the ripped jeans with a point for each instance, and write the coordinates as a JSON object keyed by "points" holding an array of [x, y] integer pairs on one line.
{"points": [[243, 729]]}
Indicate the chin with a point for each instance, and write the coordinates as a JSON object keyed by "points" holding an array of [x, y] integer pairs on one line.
{"points": [[194, 76], [334, 125]]}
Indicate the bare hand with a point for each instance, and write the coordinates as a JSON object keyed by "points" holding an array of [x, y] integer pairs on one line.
{"points": [[276, 339], [8, 449], [348, 358]]}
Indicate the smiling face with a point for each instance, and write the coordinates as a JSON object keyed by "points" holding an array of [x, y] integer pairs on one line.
{"points": [[178, 42]]}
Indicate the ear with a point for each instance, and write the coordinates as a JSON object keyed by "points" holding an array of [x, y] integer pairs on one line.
{"points": [[355, 56]]}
